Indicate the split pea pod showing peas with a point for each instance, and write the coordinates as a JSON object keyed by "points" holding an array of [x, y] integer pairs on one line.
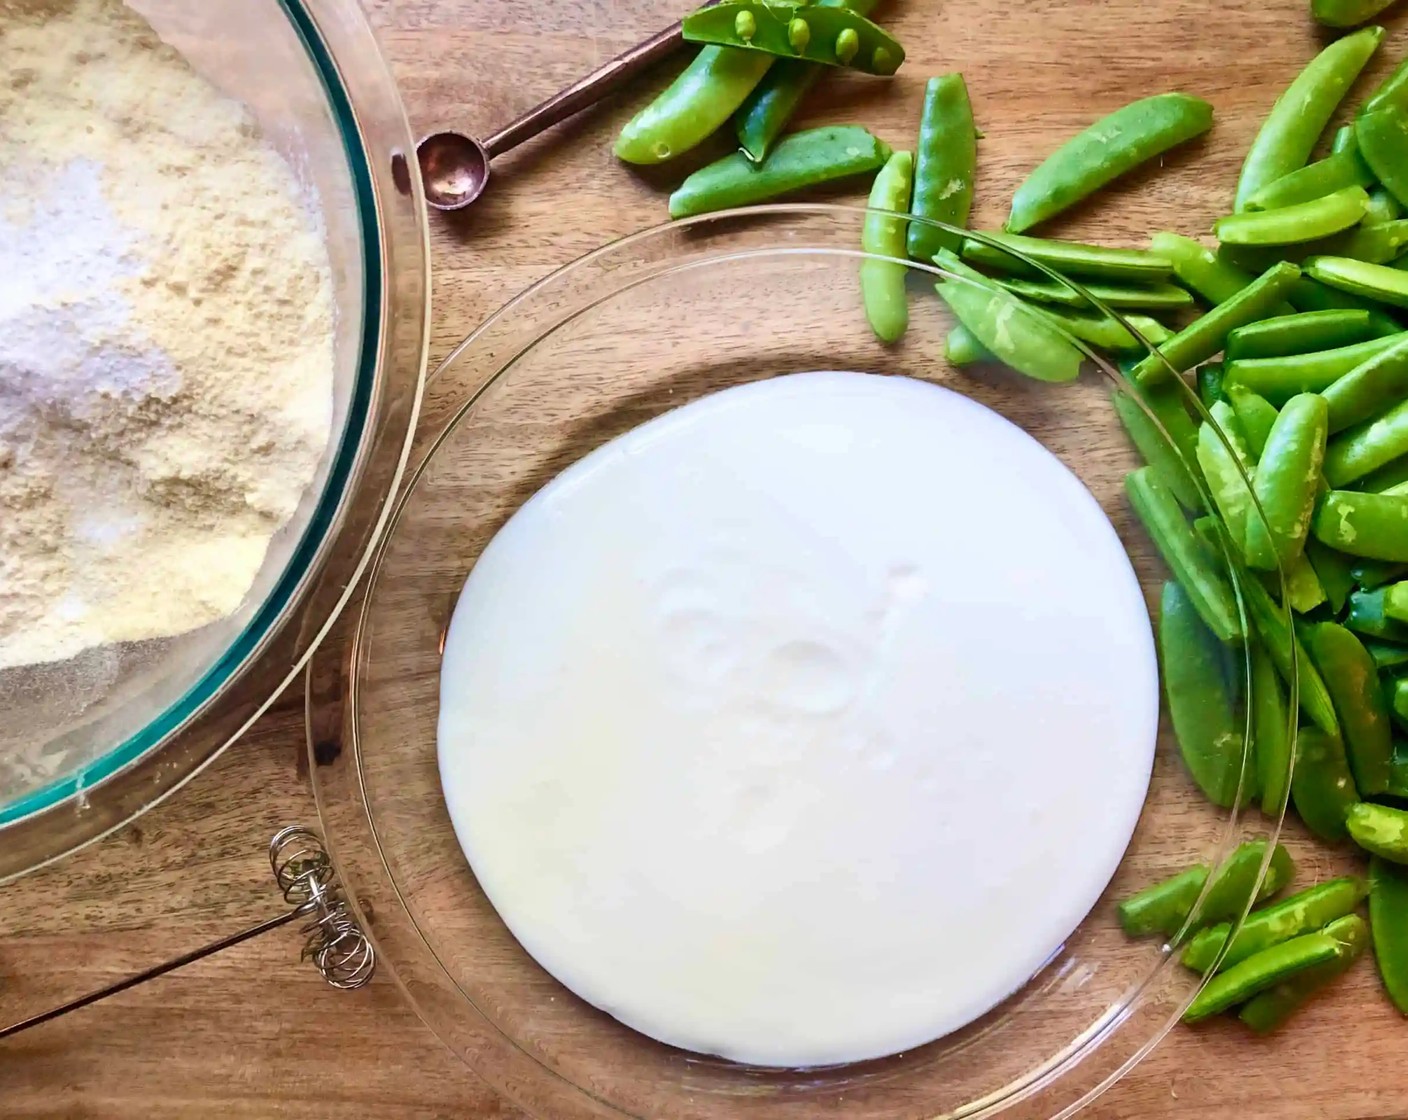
{"points": [[1301, 913], [1070, 258], [1353, 681], [1388, 917], [1305, 221], [1286, 482], [882, 282], [1106, 150], [1267, 1010], [1288, 135], [693, 107], [945, 167], [804, 159], [762, 117], [832, 36]]}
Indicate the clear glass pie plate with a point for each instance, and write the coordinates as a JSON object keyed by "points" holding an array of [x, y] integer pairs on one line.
{"points": [[92, 741], [624, 334]]}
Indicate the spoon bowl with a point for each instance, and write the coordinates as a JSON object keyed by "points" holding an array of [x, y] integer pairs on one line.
{"points": [[455, 169]]}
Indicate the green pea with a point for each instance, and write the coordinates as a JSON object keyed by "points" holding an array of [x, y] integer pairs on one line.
{"points": [[745, 25], [882, 282], [847, 46], [1286, 481], [1267, 1010], [1106, 150], [1388, 917], [1279, 379], [1322, 786], [1305, 221], [945, 166], [799, 34], [1369, 388], [1353, 680]]}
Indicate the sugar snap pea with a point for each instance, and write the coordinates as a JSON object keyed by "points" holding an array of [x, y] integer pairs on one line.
{"points": [[1227, 898], [1382, 209], [1286, 480], [1322, 786], [803, 159], [1303, 590], [1165, 906], [1369, 388], [1279, 379], [1392, 91], [1356, 452], [945, 166], [1267, 1010], [1382, 134], [1369, 525], [1311, 295], [1264, 970], [1200, 268], [1255, 413], [1164, 457], [1385, 478], [1342, 140], [1305, 221], [1341, 169], [1332, 568], [1192, 564], [1346, 13], [1206, 335], [1070, 258], [1200, 700], [1396, 601], [1373, 244], [1283, 646], [1212, 384], [1289, 133], [1388, 655], [1353, 680], [1380, 830], [1106, 150], [1388, 918], [962, 347], [1369, 281], [1304, 912], [1107, 333], [1273, 732], [1167, 403], [1366, 617], [1300, 333], [1153, 297], [882, 282], [1398, 702], [832, 36], [693, 107], [1018, 335], [1226, 464], [1398, 773]]}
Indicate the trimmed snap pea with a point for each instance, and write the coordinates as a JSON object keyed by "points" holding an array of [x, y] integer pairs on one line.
{"points": [[1192, 564], [882, 283], [1271, 726], [946, 166], [1305, 221], [963, 348], [1346, 13], [1070, 258], [1388, 918], [1301, 913], [1226, 465], [1211, 380], [1200, 268], [1162, 455], [1311, 295], [1322, 786], [1167, 905], [1332, 568], [1231, 888], [1354, 453], [831, 36], [693, 107], [1369, 388], [1382, 209], [762, 117], [1206, 335], [1382, 134], [1345, 168], [1380, 831], [1389, 655], [1353, 680], [1103, 152], [1107, 333], [1255, 413], [1164, 907], [1342, 141], [1267, 1010], [1284, 648], [1200, 699], [1371, 281], [1156, 297], [1286, 481], [1018, 335], [1264, 970], [1301, 333], [1398, 701], [1301, 113], [804, 159], [1279, 379], [1370, 525]]}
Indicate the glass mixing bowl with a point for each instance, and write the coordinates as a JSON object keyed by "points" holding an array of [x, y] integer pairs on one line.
{"points": [[90, 742], [622, 335]]}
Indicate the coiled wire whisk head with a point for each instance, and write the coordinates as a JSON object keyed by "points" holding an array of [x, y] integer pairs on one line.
{"points": [[335, 943]]}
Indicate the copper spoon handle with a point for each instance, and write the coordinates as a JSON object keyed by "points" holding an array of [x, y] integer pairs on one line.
{"points": [[576, 97]]}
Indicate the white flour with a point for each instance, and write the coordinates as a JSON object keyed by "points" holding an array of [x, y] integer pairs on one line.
{"points": [[166, 337]]}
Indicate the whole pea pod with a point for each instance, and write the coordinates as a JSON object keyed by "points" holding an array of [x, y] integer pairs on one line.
{"points": [[1105, 332], [1286, 480], [1164, 457], [831, 36], [1380, 831], [1363, 449], [1279, 379], [1322, 786], [1070, 258], [693, 107], [1200, 268], [1267, 1010], [1305, 221], [1353, 680], [1388, 917], [766, 111], [804, 159], [1289, 133], [1366, 616], [1382, 133], [945, 166], [882, 282], [1255, 413], [1284, 648], [1150, 297], [1129, 136], [1271, 725], [1370, 388], [1226, 464], [1341, 169], [1346, 13], [1301, 913], [1333, 569], [1260, 972], [1300, 333]]}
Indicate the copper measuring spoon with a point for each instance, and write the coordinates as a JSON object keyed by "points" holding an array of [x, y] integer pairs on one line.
{"points": [[455, 167]]}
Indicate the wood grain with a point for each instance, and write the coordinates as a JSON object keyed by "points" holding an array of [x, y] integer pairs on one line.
{"points": [[253, 1033]]}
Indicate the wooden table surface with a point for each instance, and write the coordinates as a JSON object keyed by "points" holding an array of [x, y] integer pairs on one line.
{"points": [[254, 1033]]}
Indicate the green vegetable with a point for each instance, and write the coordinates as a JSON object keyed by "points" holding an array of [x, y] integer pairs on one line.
{"points": [[882, 282], [1283, 646], [1388, 917], [1226, 465], [1106, 150], [1387, 655], [1370, 388], [1279, 379], [1305, 221], [1269, 1009], [963, 348], [1105, 332], [1372, 243], [1371, 574], [1271, 727], [1366, 616], [1383, 208], [1159, 297], [832, 36], [946, 166], [1385, 478], [1371, 281], [1354, 453], [1342, 169], [1380, 830], [762, 117], [1166, 460], [1164, 907], [1206, 335], [1332, 568], [1070, 258], [1396, 601], [1286, 481], [1301, 113], [1255, 413], [1300, 333], [1231, 889], [1382, 133], [1346, 13], [1200, 268], [1303, 590], [804, 159], [1353, 681], [1211, 379], [696, 103], [1200, 700], [1322, 786], [1264, 970], [1301, 913]]}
